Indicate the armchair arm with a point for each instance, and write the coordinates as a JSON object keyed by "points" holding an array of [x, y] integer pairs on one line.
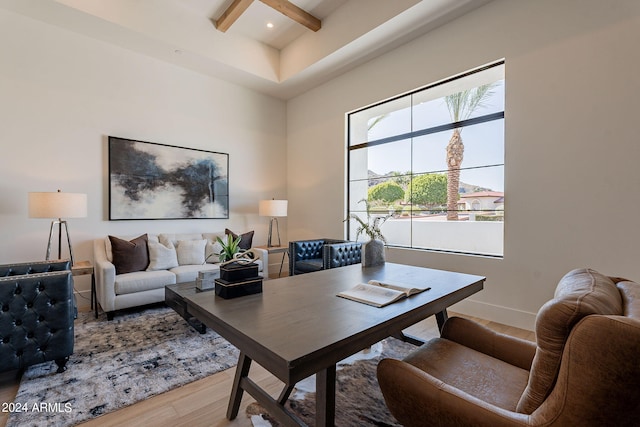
{"points": [[515, 351], [262, 255], [105, 276], [418, 399]]}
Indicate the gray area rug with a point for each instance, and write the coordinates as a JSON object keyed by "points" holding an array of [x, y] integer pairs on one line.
{"points": [[359, 401], [117, 363]]}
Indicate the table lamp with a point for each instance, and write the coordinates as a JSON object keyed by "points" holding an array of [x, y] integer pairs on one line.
{"points": [[58, 205], [274, 209]]}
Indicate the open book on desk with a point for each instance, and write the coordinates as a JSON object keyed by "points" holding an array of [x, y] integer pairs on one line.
{"points": [[380, 294]]}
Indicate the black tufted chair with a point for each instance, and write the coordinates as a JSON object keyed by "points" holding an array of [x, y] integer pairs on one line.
{"points": [[17, 269], [306, 256], [341, 254], [36, 315]]}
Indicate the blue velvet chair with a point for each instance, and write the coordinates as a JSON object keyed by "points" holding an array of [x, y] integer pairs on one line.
{"points": [[306, 256], [36, 314]]}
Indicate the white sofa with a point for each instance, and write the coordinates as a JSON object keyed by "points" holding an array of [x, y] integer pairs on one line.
{"points": [[119, 291]]}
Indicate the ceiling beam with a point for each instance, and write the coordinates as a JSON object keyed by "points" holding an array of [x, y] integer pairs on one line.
{"points": [[292, 11], [232, 13]]}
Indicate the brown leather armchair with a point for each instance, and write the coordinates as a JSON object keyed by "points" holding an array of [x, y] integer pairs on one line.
{"points": [[583, 369]]}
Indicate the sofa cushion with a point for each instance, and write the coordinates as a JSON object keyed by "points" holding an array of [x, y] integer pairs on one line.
{"points": [[246, 239], [139, 281], [162, 257], [500, 384], [190, 251], [165, 238], [130, 256], [309, 265], [580, 293], [188, 273]]}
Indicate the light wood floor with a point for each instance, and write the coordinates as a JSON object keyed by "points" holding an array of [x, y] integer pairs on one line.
{"points": [[204, 402]]}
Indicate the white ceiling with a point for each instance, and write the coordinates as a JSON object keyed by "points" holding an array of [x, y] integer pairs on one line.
{"points": [[284, 61], [252, 23]]}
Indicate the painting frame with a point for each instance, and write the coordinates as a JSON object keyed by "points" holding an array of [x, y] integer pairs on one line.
{"points": [[153, 181]]}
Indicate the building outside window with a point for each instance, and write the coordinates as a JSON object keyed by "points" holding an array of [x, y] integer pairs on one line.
{"points": [[433, 159]]}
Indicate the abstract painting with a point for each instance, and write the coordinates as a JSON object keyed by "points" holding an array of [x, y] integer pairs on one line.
{"points": [[157, 181]]}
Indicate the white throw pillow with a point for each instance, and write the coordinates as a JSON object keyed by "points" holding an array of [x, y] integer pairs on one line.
{"points": [[165, 238], [212, 252], [161, 257], [191, 252]]}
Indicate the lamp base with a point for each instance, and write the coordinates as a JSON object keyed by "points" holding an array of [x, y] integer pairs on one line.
{"points": [[269, 245], [60, 223]]}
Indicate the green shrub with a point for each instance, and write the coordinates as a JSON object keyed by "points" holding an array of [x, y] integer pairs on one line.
{"points": [[428, 190], [387, 191]]}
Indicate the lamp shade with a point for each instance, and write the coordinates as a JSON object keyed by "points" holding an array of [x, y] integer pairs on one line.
{"points": [[57, 205], [273, 208]]}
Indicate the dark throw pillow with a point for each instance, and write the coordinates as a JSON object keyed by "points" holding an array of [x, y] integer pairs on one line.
{"points": [[130, 256], [246, 239]]}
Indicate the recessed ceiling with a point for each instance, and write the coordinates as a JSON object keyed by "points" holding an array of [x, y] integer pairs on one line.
{"points": [[282, 61], [253, 22]]}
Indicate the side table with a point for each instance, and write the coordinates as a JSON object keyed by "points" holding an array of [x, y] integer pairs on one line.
{"points": [[277, 250], [82, 268]]}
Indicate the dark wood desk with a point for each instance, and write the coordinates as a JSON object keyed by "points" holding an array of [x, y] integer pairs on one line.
{"points": [[298, 326]]}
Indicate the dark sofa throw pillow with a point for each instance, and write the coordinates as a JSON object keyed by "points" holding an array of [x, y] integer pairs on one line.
{"points": [[246, 238], [130, 256]]}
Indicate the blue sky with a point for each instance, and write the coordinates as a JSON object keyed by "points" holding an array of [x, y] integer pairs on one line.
{"points": [[484, 143]]}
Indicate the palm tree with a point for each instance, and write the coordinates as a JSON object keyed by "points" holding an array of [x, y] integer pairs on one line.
{"points": [[460, 106]]}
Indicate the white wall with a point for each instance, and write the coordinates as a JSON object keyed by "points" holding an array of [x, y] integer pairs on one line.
{"points": [[62, 94], [572, 149]]}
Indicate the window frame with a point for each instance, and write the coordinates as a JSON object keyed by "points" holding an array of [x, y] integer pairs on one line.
{"points": [[410, 136]]}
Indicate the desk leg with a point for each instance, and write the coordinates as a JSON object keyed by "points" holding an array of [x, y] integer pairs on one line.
{"points": [[441, 318], [242, 371], [284, 396], [326, 397]]}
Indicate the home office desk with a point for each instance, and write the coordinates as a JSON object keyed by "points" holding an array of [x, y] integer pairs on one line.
{"points": [[298, 326]]}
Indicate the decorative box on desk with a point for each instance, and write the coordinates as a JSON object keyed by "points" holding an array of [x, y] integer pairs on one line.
{"points": [[227, 290], [238, 271], [205, 280], [238, 278]]}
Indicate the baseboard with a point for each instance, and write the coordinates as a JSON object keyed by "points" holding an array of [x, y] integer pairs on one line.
{"points": [[505, 315]]}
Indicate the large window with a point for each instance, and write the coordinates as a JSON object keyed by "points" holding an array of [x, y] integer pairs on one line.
{"points": [[433, 160]]}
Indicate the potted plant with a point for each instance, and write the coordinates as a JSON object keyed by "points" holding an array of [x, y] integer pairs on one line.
{"points": [[373, 250], [229, 248]]}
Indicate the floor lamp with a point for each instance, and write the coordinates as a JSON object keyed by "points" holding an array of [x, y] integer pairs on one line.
{"points": [[58, 205], [273, 209]]}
